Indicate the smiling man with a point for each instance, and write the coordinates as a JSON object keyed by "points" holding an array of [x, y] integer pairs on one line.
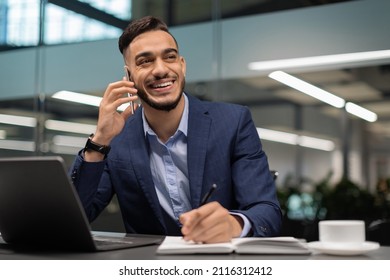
{"points": [[161, 160]]}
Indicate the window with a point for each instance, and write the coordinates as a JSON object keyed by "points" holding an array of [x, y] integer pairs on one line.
{"points": [[19, 22]]}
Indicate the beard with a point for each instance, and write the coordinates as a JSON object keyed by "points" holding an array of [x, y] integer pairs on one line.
{"points": [[160, 106]]}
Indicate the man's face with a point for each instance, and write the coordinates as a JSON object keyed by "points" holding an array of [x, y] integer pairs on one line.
{"points": [[157, 69]]}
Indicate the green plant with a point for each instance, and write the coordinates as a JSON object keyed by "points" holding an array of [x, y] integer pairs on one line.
{"points": [[303, 207], [349, 201]]}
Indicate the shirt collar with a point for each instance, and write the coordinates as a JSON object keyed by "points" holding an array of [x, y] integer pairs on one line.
{"points": [[183, 125]]}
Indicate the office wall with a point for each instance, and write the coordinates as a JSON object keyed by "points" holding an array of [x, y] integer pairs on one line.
{"points": [[354, 26], [88, 67]]}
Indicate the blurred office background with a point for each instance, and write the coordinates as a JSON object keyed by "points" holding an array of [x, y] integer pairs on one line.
{"points": [[331, 163]]}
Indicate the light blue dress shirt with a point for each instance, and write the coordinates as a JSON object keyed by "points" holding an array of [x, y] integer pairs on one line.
{"points": [[168, 163]]}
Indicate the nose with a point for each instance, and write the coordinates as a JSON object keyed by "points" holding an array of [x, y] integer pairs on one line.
{"points": [[160, 69]]}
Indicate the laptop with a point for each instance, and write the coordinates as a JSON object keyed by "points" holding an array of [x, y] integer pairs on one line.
{"points": [[40, 208]]}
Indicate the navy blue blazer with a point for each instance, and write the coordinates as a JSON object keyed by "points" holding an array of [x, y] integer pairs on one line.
{"points": [[223, 148]]}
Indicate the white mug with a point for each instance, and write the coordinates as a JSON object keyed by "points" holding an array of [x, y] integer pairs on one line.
{"points": [[342, 231]]}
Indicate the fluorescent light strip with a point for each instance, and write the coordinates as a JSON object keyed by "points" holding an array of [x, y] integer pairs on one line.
{"points": [[82, 98], [69, 141], [323, 95], [308, 89], [294, 139], [70, 145], [64, 150], [271, 65], [3, 134], [18, 120], [78, 97], [28, 146], [278, 136], [360, 112], [70, 127], [316, 143], [67, 144]]}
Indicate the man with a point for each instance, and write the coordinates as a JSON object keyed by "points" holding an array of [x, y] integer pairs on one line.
{"points": [[162, 159]]}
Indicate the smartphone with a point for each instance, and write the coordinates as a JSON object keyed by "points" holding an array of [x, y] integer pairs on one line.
{"points": [[129, 94]]}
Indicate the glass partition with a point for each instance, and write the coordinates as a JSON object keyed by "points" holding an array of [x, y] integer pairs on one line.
{"points": [[311, 144]]}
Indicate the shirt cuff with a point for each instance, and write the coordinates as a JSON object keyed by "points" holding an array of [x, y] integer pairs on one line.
{"points": [[247, 224]]}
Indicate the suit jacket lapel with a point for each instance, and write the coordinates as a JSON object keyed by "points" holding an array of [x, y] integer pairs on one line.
{"points": [[199, 124], [140, 160]]}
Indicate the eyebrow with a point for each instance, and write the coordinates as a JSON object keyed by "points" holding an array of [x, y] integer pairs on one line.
{"points": [[146, 54]]}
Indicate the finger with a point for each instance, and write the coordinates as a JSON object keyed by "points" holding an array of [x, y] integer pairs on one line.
{"points": [[132, 106], [214, 224], [129, 99], [117, 89], [209, 226], [217, 234], [123, 82], [189, 220], [127, 112], [195, 222], [117, 98], [120, 92]]}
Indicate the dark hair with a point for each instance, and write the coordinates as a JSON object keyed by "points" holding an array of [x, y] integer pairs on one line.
{"points": [[139, 26]]}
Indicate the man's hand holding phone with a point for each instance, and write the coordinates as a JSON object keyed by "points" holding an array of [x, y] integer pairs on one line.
{"points": [[111, 121]]}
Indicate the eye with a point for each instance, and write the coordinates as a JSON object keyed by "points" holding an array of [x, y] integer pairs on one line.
{"points": [[144, 61], [171, 57]]}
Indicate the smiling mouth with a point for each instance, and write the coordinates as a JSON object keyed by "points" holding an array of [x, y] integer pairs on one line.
{"points": [[162, 85]]}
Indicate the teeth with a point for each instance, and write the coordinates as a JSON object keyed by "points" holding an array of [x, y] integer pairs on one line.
{"points": [[163, 85]]}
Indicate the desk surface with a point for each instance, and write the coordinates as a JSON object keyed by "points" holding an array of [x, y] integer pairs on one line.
{"points": [[149, 253]]}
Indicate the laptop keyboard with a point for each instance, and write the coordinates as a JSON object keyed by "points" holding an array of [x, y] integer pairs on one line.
{"points": [[112, 242], [103, 242]]}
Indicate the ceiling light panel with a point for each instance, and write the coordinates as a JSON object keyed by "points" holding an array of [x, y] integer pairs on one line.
{"points": [[308, 89]]}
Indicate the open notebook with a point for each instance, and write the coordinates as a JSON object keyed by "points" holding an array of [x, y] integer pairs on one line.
{"points": [[247, 245], [40, 208]]}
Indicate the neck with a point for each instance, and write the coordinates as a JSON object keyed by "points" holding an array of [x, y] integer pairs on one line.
{"points": [[164, 123]]}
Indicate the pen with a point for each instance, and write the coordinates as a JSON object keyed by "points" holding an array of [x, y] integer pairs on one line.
{"points": [[208, 194]]}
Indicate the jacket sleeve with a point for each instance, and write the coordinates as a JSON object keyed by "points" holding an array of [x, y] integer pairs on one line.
{"points": [[92, 184], [255, 188]]}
